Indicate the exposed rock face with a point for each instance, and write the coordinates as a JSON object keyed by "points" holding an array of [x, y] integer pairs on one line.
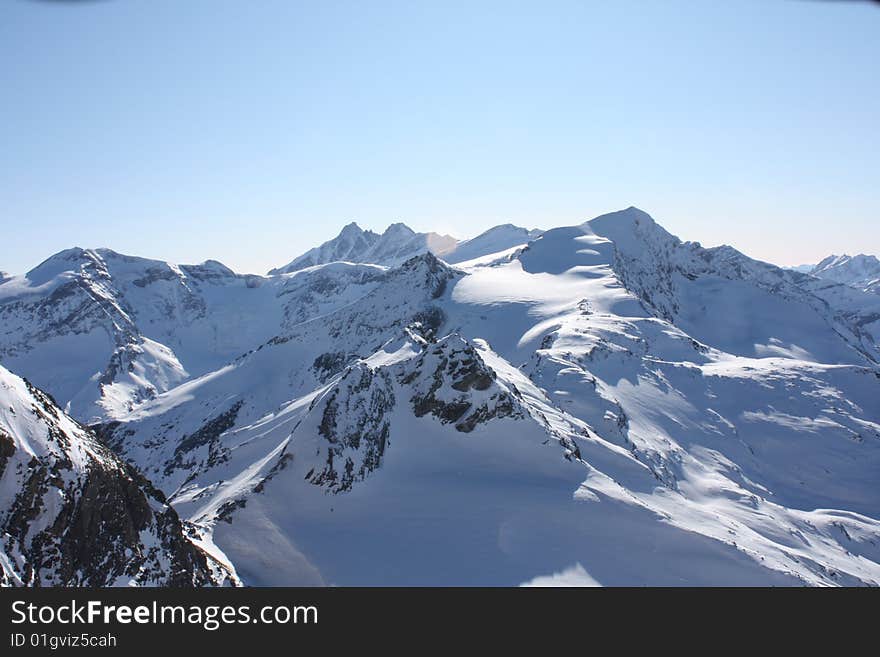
{"points": [[447, 380], [202, 448], [355, 423], [73, 514], [453, 384], [331, 363]]}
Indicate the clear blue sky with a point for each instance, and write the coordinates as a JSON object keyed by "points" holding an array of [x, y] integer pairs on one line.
{"points": [[248, 131]]}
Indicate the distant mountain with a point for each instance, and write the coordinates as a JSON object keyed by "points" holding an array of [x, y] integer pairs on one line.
{"points": [[860, 271], [602, 399], [397, 244], [495, 240], [73, 514]]}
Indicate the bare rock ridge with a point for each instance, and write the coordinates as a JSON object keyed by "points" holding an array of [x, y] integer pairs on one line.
{"points": [[73, 514]]}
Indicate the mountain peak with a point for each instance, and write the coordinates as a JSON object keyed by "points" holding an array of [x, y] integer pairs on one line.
{"points": [[115, 528], [860, 271], [393, 247], [631, 214], [398, 228], [214, 268], [66, 260], [351, 228], [494, 240], [628, 229]]}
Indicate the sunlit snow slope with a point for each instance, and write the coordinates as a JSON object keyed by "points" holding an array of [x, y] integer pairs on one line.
{"points": [[604, 403]]}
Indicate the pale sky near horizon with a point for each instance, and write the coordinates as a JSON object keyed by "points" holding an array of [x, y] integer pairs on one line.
{"points": [[249, 132]]}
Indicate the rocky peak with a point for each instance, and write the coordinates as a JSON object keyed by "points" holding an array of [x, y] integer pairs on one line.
{"points": [[452, 382], [351, 229], [74, 514], [428, 272], [74, 260], [860, 271], [355, 424], [398, 230], [396, 244], [209, 270]]}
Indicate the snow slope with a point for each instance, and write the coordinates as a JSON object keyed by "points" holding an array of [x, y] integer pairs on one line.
{"points": [[606, 404], [495, 240]]}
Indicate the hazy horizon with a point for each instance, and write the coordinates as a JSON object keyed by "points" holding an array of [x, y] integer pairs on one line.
{"points": [[249, 133], [376, 229]]}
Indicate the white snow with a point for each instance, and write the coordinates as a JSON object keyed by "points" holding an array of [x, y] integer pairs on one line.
{"points": [[861, 271], [394, 246], [678, 415], [574, 576]]}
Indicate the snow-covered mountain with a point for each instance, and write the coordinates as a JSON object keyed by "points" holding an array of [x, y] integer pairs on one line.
{"points": [[396, 245], [399, 243], [73, 514], [102, 331], [600, 402], [860, 271], [492, 242]]}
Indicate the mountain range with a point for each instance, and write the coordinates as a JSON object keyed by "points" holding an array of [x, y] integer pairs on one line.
{"points": [[601, 402], [399, 243], [861, 271]]}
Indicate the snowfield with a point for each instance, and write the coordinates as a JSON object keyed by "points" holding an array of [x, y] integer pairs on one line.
{"points": [[600, 404]]}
